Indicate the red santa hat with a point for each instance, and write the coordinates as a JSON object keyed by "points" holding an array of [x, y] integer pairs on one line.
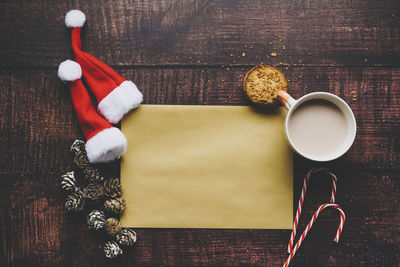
{"points": [[115, 95], [104, 142]]}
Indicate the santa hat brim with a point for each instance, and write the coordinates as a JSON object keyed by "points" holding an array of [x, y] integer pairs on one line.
{"points": [[120, 101], [105, 146]]}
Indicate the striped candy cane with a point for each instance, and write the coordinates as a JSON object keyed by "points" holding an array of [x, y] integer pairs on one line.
{"points": [[301, 200], [313, 219]]}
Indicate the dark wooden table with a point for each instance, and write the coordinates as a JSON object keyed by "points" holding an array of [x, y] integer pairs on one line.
{"points": [[196, 52]]}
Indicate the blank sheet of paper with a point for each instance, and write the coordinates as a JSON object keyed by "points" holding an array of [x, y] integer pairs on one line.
{"points": [[206, 167]]}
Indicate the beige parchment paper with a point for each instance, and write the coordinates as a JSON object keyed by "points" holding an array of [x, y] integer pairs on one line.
{"points": [[206, 167]]}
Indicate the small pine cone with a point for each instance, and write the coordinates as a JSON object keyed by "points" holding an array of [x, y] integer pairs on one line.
{"points": [[68, 182], [112, 250], [126, 237], [96, 220], [112, 188], [75, 201], [115, 205], [113, 227], [92, 174], [93, 191], [81, 160], [77, 146]]}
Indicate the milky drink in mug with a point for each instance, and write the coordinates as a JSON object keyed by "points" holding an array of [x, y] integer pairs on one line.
{"points": [[319, 126]]}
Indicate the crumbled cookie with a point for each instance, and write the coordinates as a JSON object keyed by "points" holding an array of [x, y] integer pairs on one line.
{"points": [[263, 82]]}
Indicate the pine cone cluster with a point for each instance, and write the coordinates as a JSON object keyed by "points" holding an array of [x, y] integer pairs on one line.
{"points": [[81, 160], [98, 194], [115, 205], [96, 220], [112, 188], [126, 237], [92, 174], [93, 191], [77, 146], [112, 250], [75, 201], [113, 227], [68, 182]]}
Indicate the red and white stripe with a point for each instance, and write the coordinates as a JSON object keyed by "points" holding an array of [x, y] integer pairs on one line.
{"points": [[301, 200], [313, 219]]}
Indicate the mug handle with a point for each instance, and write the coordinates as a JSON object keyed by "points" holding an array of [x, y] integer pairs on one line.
{"points": [[286, 100]]}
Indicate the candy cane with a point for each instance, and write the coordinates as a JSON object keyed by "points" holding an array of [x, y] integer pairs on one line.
{"points": [[301, 200], [313, 219]]}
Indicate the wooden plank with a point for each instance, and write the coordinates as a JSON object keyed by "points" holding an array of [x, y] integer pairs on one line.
{"points": [[37, 230], [172, 32], [38, 118]]}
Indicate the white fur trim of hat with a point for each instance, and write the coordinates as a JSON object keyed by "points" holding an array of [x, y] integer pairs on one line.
{"points": [[105, 146], [120, 101]]}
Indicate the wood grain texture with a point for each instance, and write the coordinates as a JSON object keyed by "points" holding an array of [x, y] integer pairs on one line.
{"points": [[40, 113], [40, 232], [191, 52], [202, 32]]}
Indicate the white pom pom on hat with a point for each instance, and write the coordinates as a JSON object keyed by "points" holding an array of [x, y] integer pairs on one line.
{"points": [[69, 71], [75, 18]]}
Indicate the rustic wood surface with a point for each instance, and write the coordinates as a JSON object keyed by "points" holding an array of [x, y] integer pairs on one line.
{"points": [[197, 52]]}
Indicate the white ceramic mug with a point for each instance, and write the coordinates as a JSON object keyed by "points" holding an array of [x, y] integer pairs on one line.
{"points": [[292, 104]]}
